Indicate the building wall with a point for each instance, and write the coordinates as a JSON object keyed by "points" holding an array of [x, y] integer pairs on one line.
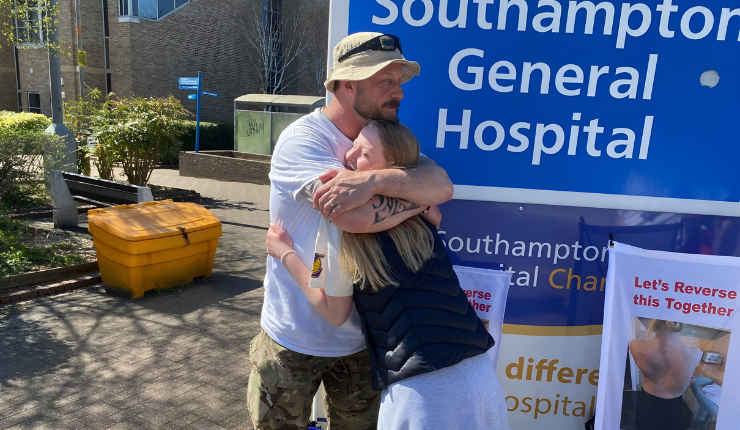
{"points": [[34, 62], [8, 92], [147, 58], [205, 35], [91, 17], [34, 72]]}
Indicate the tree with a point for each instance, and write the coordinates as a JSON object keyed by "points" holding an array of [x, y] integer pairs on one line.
{"points": [[278, 41], [315, 15], [29, 23]]}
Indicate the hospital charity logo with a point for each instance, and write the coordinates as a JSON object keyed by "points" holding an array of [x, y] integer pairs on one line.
{"points": [[316, 271]]}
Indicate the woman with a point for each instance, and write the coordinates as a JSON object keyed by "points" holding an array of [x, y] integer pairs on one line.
{"points": [[667, 366], [426, 342]]}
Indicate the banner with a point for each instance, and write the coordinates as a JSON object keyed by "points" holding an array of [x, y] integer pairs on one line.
{"points": [[486, 291], [672, 317], [558, 257]]}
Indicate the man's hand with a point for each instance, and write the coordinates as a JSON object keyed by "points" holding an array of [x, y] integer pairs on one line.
{"points": [[345, 189], [434, 216]]}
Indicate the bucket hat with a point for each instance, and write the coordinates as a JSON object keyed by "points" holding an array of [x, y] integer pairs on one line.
{"points": [[366, 63]]}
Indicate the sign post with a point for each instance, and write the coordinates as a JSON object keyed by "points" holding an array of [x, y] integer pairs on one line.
{"points": [[196, 84]]}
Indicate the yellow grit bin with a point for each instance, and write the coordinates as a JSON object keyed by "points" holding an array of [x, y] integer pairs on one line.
{"points": [[153, 245]]}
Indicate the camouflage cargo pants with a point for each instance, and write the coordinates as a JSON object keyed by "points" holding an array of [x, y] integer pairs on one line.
{"points": [[282, 385]]}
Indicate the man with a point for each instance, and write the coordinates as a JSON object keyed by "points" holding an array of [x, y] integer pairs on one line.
{"points": [[298, 348]]}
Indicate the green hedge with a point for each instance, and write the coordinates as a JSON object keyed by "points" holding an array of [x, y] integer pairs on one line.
{"points": [[213, 136], [24, 120]]}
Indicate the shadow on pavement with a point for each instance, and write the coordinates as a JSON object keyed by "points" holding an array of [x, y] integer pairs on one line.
{"points": [[214, 203]]}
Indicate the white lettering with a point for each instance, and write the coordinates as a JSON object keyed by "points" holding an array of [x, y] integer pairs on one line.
{"points": [[428, 12], [478, 136], [443, 127], [462, 15], [624, 27], [494, 75], [539, 145], [629, 144], [561, 79], [553, 16], [686, 19], [591, 10], [392, 13], [477, 72]]}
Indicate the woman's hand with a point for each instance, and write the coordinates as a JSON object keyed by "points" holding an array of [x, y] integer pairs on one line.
{"points": [[278, 241], [434, 216]]}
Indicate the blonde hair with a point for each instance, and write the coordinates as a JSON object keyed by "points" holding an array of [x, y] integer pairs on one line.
{"points": [[362, 257], [657, 326]]}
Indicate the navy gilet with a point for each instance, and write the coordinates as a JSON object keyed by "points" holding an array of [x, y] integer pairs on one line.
{"points": [[423, 324]]}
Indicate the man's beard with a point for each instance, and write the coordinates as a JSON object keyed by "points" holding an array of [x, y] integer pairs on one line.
{"points": [[367, 110]]}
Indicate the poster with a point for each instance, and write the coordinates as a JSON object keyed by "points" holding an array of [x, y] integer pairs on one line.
{"points": [[486, 291], [558, 257], [669, 341]]}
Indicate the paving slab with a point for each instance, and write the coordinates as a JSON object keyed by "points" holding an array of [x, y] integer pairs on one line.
{"points": [[84, 359]]}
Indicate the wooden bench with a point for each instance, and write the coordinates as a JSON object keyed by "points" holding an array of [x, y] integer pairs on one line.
{"points": [[67, 187]]}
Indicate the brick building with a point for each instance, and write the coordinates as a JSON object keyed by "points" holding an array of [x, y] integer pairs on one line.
{"points": [[141, 47]]}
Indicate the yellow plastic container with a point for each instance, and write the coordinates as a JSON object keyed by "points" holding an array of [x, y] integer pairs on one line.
{"points": [[153, 245]]}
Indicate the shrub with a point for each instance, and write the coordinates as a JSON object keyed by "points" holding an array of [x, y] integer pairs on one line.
{"points": [[24, 120], [213, 136], [140, 132], [137, 132], [80, 116], [24, 157]]}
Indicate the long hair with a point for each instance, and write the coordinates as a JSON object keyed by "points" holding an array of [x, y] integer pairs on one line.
{"points": [[362, 257]]}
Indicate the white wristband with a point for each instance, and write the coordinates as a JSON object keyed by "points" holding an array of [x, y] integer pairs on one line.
{"points": [[282, 259]]}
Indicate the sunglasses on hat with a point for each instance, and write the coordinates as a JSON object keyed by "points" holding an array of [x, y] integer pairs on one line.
{"points": [[385, 42]]}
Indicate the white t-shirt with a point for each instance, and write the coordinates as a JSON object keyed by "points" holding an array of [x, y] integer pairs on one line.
{"points": [[307, 148], [326, 272]]}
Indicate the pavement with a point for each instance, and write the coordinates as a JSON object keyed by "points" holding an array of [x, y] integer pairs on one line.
{"points": [[174, 360]]}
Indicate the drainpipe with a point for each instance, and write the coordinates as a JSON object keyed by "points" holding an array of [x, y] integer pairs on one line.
{"points": [[80, 69], [17, 79], [57, 116]]}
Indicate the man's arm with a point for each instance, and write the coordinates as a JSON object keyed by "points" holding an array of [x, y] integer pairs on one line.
{"points": [[379, 214], [425, 185]]}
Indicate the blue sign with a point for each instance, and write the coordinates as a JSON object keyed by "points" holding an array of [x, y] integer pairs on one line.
{"points": [[615, 98], [196, 84], [210, 93], [188, 81]]}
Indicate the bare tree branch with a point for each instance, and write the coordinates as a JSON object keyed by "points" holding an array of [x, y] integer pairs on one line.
{"points": [[278, 40]]}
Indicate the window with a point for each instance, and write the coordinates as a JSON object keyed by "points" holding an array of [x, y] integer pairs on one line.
{"points": [[34, 103], [29, 28], [153, 10]]}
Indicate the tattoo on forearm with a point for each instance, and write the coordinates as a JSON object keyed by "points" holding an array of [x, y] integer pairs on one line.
{"points": [[388, 206]]}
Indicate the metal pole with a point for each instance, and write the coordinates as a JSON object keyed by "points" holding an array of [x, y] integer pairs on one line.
{"points": [[80, 48], [197, 113], [57, 116]]}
